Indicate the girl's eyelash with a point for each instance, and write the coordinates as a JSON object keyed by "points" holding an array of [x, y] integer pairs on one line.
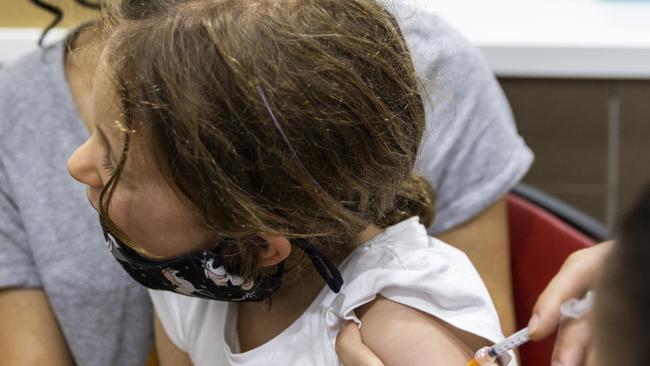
{"points": [[108, 165]]}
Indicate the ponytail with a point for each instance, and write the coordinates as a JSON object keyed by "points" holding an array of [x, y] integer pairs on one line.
{"points": [[415, 197]]}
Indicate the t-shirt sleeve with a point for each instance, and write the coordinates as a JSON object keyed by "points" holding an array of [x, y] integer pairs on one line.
{"points": [[17, 268], [441, 282], [471, 152], [169, 312]]}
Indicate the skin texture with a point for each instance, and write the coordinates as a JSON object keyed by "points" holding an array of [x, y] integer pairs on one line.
{"points": [[145, 207], [351, 349], [428, 341], [30, 335]]}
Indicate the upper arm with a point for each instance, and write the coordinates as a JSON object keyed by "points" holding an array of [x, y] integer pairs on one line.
{"points": [[401, 335], [485, 240], [30, 334], [17, 268], [168, 353], [29, 331]]}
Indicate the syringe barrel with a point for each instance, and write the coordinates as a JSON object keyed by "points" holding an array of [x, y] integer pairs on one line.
{"points": [[509, 343]]}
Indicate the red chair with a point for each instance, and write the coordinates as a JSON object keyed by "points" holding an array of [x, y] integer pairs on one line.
{"points": [[543, 232]]}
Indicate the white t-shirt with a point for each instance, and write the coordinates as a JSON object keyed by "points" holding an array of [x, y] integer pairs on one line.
{"points": [[402, 263]]}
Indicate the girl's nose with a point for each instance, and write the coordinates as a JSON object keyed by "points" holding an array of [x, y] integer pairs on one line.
{"points": [[83, 165]]}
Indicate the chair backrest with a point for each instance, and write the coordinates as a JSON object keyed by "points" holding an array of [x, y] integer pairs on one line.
{"points": [[540, 243]]}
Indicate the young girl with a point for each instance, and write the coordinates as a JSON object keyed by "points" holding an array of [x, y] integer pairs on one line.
{"points": [[245, 152]]}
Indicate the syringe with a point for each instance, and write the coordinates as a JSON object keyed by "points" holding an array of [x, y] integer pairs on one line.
{"points": [[573, 308]]}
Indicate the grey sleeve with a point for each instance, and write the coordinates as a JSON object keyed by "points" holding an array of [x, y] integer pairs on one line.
{"points": [[471, 152], [17, 267]]}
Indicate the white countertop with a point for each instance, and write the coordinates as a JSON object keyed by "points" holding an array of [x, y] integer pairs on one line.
{"points": [[555, 38], [15, 42], [520, 38]]}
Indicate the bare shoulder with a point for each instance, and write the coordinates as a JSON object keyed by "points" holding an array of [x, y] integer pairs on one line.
{"points": [[401, 335]]}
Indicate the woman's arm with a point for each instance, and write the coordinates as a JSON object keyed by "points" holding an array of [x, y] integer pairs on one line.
{"points": [[401, 335], [168, 353], [485, 241], [30, 334]]}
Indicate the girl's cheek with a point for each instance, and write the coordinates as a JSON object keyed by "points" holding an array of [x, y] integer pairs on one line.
{"points": [[120, 209]]}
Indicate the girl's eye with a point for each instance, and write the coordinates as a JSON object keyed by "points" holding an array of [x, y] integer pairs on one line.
{"points": [[108, 165]]}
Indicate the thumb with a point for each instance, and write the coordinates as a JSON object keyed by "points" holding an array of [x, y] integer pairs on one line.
{"points": [[572, 281], [351, 350]]}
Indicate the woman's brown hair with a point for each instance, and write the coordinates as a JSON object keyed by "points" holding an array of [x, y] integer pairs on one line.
{"points": [[294, 117]]}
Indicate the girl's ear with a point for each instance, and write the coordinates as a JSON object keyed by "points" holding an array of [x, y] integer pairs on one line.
{"points": [[278, 249]]}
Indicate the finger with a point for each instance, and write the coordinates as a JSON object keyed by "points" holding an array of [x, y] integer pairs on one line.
{"points": [[351, 350], [573, 280], [572, 342], [504, 359]]}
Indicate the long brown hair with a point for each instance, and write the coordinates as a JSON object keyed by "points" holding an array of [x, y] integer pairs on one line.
{"points": [[295, 117]]}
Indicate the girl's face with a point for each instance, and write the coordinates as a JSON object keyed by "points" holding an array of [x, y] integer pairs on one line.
{"points": [[143, 205]]}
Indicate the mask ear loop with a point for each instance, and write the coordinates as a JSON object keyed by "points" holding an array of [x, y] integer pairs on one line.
{"points": [[325, 267], [323, 264]]}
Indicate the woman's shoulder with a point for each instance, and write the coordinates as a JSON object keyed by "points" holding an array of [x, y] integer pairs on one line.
{"points": [[431, 40], [33, 84], [29, 70]]}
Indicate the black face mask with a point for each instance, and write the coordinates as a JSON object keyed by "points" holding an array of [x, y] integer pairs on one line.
{"points": [[202, 274]]}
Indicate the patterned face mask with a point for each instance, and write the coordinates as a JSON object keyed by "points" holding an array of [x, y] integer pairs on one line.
{"points": [[202, 274]]}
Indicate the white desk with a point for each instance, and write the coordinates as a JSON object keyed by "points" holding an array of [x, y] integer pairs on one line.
{"points": [[520, 38], [555, 38], [15, 42]]}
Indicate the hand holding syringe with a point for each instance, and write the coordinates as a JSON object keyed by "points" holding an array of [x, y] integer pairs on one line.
{"points": [[574, 308]]}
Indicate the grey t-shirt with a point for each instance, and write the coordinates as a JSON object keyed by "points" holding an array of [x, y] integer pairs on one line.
{"points": [[50, 236], [471, 152]]}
